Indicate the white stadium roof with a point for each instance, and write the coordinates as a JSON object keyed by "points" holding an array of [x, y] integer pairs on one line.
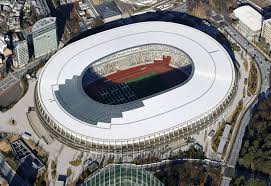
{"points": [[210, 85], [250, 17]]}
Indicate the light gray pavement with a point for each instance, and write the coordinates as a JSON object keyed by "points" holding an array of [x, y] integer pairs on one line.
{"points": [[247, 99], [18, 113], [38, 127]]}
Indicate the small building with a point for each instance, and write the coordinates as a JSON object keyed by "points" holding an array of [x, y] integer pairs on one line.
{"points": [[250, 21], [108, 11], [21, 54], [266, 30]]}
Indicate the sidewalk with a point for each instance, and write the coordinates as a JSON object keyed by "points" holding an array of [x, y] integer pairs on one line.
{"points": [[247, 103]]}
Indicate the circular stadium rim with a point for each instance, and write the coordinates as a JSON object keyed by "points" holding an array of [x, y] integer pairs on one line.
{"points": [[211, 84]]}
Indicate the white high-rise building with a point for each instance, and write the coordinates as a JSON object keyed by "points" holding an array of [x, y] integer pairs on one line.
{"points": [[44, 36], [266, 31], [21, 54]]}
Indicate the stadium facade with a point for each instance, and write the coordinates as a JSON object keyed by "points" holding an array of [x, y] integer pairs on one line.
{"points": [[135, 125]]}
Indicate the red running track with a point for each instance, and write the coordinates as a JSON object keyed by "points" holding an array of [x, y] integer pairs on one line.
{"points": [[158, 67]]}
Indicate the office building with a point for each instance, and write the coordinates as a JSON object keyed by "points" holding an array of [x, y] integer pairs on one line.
{"points": [[44, 36], [21, 54]]}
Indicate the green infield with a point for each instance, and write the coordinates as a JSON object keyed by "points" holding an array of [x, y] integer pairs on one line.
{"points": [[147, 85], [142, 77], [139, 87]]}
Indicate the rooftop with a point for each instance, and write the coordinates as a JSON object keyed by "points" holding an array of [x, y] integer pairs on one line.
{"points": [[250, 17], [108, 9], [122, 174], [43, 22]]}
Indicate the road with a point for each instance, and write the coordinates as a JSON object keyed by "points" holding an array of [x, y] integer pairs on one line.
{"points": [[14, 77], [264, 67], [263, 63]]}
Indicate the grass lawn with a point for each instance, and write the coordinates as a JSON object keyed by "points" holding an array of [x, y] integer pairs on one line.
{"points": [[75, 162], [154, 83], [142, 77], [147, 85]]}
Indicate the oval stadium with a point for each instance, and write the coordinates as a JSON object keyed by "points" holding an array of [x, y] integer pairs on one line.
{"points": [[135, 87]]}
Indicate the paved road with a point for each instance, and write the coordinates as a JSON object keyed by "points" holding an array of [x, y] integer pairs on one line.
{"points": [[263, 63], [264, 66], [14, 77]]}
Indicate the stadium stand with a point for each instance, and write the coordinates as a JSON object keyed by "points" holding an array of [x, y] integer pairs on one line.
{"points": [[134, 57]]}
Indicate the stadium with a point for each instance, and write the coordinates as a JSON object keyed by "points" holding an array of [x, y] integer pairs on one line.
{"points": [[135, 87]]}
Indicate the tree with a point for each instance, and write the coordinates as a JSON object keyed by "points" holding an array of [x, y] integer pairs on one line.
{"points": [[256, 182], [239, 181], [256, 148]]}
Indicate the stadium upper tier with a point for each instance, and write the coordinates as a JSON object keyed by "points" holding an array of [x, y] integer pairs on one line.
{"points": [[78, 120], [134, 57]]}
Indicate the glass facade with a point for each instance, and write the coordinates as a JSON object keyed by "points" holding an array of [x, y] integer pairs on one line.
{"points": [[122, 175]]}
